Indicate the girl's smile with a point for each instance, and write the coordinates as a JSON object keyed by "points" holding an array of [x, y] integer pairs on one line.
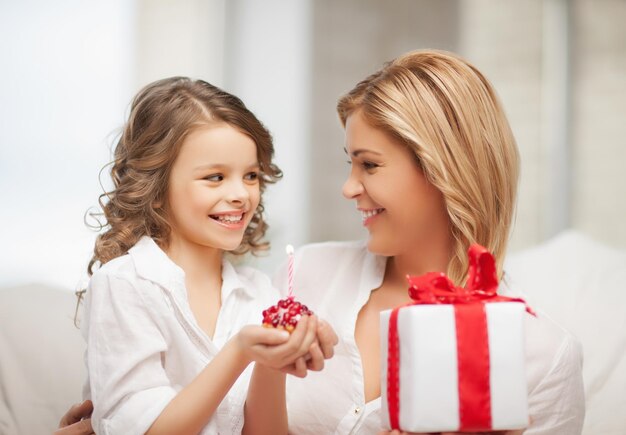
{"points": [[230, 219]]}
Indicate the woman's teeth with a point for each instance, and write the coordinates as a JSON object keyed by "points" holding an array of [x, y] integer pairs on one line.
{"points": [[369, 213]]}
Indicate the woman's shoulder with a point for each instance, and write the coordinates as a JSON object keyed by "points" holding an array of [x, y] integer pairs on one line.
{"points": [[551, 350]]}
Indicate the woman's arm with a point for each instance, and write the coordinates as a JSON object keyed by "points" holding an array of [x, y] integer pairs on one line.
{"points": [[265, 411], [266, 408]]}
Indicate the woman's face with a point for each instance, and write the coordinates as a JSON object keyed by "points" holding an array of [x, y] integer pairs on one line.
{"points": [[401, 210]]}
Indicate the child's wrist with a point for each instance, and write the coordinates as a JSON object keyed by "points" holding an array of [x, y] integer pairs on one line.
{"points": [[238, 348]]}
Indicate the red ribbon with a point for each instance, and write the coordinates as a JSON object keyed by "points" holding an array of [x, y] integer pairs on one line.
{"points": [[471, 334]]}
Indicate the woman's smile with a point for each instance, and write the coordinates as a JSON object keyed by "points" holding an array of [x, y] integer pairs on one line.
{"points": [[369, 215]]}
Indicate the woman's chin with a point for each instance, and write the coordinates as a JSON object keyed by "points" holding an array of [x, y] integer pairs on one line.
{"points": [[379, 247]]}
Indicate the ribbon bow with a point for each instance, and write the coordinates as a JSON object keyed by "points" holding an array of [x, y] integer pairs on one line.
{"points": [[481, 286]]}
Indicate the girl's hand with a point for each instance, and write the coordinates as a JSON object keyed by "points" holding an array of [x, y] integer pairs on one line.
{"points": [[277, 348]]}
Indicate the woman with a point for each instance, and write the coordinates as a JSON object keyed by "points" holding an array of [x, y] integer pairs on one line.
{"points": [[434, 168]]}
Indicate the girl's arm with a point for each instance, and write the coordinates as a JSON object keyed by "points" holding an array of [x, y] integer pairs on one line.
{"points": [[191, 409], [194, 405]]}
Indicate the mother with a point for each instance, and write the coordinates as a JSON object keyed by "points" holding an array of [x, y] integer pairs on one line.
{"points": [[434, 168]]}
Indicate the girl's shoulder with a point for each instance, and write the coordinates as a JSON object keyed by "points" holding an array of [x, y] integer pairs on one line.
{"points": [[120, 267]]}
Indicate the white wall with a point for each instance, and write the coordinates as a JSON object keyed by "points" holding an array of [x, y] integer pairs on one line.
{"points": [[267, 64], [65, 82]]}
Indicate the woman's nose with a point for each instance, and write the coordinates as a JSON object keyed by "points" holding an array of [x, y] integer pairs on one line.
{"points": [[352, 187]]}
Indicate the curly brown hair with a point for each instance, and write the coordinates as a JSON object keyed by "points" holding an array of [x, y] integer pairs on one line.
{"points": [[161, 116]]}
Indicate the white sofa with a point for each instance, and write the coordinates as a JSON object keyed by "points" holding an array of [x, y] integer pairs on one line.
{"points": [[581, 284], [577, 281]]}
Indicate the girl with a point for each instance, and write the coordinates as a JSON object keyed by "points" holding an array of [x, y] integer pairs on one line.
{"points": [[165, 313], [434, 168]]}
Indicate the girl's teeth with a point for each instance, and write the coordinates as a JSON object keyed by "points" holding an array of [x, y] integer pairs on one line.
{"points": [[229, 219]]}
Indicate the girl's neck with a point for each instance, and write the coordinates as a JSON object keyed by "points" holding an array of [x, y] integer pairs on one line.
{"points": [[201, 264]]}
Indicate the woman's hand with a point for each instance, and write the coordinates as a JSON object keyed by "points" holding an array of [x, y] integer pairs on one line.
{"points": [[277, 348], [76, 420], [321, 349]]}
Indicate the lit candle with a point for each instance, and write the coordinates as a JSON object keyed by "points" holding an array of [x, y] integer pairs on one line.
{"points": [[289, 250]]}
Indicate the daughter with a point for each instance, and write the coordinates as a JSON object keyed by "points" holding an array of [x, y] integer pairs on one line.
{"points": [[167, 346]]}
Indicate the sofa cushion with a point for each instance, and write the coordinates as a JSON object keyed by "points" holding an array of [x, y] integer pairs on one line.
{"points": [[581, 284], [41, 358]]}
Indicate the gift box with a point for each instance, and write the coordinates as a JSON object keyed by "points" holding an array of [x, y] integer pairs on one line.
{"points": [[453, 359]]}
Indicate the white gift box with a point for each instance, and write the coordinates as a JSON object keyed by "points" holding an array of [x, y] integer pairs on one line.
{"points": [[428, 398]]}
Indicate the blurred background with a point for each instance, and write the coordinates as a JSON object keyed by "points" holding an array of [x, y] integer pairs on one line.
{"points": [[70, 68]]}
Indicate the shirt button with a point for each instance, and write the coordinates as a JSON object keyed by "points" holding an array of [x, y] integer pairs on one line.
{"points": [[357, 410]]}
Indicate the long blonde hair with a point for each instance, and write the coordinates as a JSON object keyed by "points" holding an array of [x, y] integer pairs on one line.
{"points": [[447, 112], [162, 114]]}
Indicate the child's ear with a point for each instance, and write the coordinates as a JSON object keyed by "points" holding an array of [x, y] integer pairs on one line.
{"points": [[157, 204]]}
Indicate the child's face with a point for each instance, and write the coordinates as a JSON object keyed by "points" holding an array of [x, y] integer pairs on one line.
{"points": [[213, 188], [401, 209]]}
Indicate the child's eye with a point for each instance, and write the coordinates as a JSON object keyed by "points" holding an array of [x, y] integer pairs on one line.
{"points": [[252, 176], [214, 177]]}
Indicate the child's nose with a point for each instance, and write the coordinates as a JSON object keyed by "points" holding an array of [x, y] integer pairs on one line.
{"points": [[238, 192]]}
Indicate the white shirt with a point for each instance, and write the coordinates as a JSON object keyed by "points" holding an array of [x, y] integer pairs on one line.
{"points": [[144, 344], [335, 280]]}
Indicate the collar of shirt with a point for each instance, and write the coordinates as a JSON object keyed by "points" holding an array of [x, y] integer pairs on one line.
{"points": [[372, 274], [153, 264]]}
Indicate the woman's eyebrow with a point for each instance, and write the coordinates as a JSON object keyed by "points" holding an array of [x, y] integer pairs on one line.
{"points": [[356, 152]]}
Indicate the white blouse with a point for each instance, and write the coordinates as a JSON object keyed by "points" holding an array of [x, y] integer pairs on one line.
{"points": [[335, 280], [144, 344]]}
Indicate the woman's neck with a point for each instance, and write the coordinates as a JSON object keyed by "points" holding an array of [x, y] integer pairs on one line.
{"points": [[423, 259]]}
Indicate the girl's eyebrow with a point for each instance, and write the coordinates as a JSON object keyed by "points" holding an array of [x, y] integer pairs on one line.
{"points": [[356, 152], [222, 165]]}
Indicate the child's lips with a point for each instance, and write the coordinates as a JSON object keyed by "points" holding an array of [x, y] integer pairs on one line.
{"points": [[229, 220]]}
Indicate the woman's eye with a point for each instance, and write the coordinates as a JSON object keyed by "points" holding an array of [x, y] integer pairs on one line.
{"points": [[369, 165], [214, 177]]}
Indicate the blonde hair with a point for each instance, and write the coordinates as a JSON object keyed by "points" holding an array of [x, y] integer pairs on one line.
{"points": [[447, 112], [162, 115]]}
